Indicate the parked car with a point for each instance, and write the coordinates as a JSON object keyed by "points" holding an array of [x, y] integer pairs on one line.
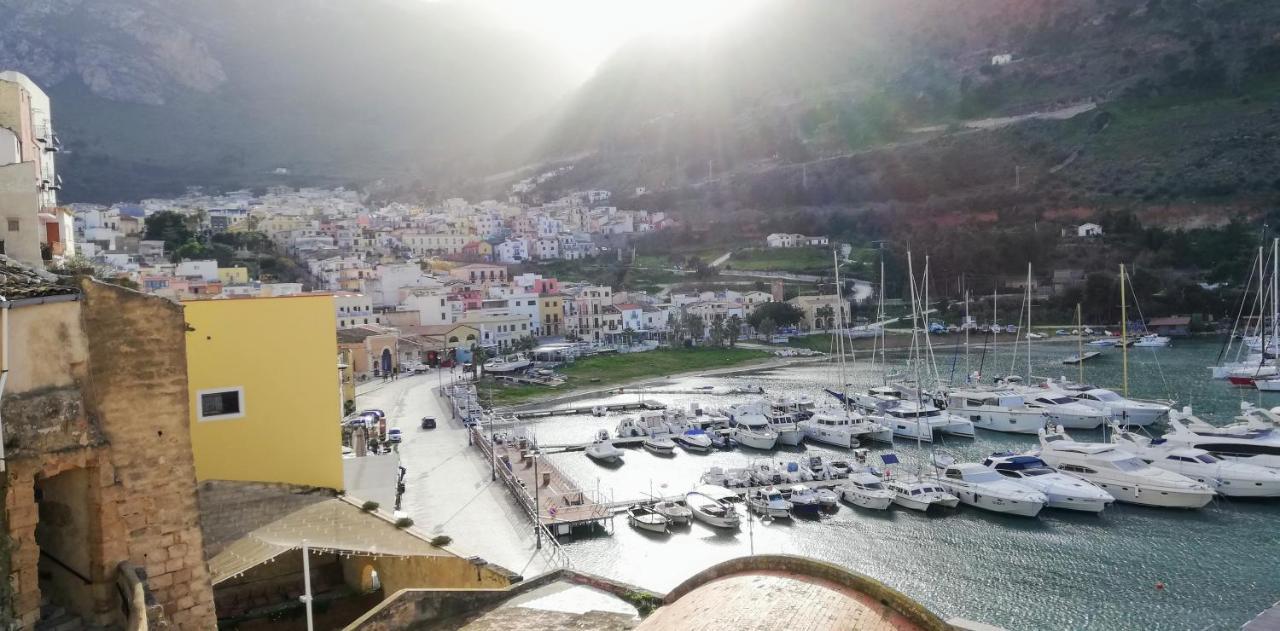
{"points": [[375, 412], [393, 435], [428, 422]]}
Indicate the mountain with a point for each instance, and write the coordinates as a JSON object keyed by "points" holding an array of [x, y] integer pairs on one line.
{"points": [[151, 96], [861, 104]]}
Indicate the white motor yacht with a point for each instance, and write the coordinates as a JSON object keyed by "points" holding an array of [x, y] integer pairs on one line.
{"points": [[844, 428], [602, 450], [769, 501], [1253, 442], [659, 445], [765, 473], [803, 499], [1231, 478], [1063, 491], [645, 518], [917, 494], [866, 490], [911, 416], [787, 427], [801, 406], [1121, 473], [750, 428], [1128, 411], [693, 439], [677, 514], [599, 410], [983, 488], [1066, 411], [1151, 340], [827, 498], [649, 424], [728, 478], [996, 410], [712, 506]]}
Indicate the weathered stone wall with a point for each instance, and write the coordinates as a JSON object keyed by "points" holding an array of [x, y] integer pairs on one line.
{"points": [[229, 510]]}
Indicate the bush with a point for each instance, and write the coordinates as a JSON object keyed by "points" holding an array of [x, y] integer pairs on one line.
{"points": [[369, 506], [441, 540], [404, 522]]}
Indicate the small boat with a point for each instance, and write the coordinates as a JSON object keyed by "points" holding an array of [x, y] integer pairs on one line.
{"points": [[1106, 341], [1151, 340], [676, 513], [917, 494], [824, 468], [1074, 358], [728, 478], [827, 498], [803, 499], [712, 506], [721, 440], [769, 501], [599, 410], [644, 518], [694, 439], [766, 473], [867, 491], [659, 445], [602, 450]]}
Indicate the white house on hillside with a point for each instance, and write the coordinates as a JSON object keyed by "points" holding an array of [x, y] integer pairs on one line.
{"points": [[1088, 230]]}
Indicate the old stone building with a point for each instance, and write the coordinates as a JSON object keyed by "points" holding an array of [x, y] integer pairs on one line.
{"points": [[98, 471]]}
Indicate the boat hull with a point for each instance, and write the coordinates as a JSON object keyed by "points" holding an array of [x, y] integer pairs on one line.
{"points": [[995, 504], [1007, 422], [1159, 498], [763, 442], [790, 437], [865, 500], [645, 523]]}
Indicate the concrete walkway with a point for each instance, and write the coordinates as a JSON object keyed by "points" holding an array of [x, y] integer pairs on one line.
{"points": [[449, 490]]}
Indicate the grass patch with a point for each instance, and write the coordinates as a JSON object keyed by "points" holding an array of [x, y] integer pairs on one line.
{"points": [[606, 370], [795, 260]]}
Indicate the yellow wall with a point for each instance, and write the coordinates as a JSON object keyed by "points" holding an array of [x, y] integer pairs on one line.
{"points": [[281, 351], [233, 275]]}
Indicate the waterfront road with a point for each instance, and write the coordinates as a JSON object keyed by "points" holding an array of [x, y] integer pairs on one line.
{"points": [[449, 491]]}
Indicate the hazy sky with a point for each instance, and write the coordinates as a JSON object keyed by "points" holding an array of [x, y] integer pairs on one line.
{"points": [[587, 31]]}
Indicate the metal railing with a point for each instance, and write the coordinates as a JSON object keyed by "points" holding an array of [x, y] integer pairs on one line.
{"points": [[556, 554]]}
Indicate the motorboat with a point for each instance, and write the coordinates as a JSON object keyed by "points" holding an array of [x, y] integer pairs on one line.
{"points": [[710, 506], [599, 410], [910, 416], [1252, 442], [510, 363], [917, 494], [824, 468], [1066, 411], [1121, 473], [1004, 410], [693, 439], [1062, 490], [769, 501], [1151, 340], [1231, 478], [800, 406], [1128, 411], [803, 499], [787, 427], [867, 491], [827, 498], [1077, 358], [677, 514], [644, 518], [980, 487], [1106, 342], [844, 428], [659, 445], [729, 478], [765, 473], [750, 428], [602, 450], [645, 425]]}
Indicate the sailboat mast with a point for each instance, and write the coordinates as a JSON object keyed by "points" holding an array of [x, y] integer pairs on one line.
{"points": [[835, 259], [1080, 344], [967, 370], [1124, 334], [884, 366], [1028, 321], [1275, 298], [915, 312], [995, 331]]}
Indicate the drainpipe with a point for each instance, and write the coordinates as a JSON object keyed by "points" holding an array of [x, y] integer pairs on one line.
{"points": [[4, 366]]}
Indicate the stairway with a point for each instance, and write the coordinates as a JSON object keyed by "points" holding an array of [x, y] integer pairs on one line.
{"points": [[57, 618]]}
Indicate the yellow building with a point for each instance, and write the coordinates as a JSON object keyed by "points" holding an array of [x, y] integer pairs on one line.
{"points": [[233, 275], [551, 314], [264, 406]]}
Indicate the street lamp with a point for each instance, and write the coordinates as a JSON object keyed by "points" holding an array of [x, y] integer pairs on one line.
{"points": [[751, 530]]}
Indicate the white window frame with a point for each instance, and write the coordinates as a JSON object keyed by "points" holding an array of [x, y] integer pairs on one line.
{"points": [[239, 390]]}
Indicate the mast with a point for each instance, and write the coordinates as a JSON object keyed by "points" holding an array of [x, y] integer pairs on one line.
{"points": [[1080, 344], [1275, 299], [1124, 334], [884, 367], [844, 395], [915, 312], [1028, 335], [995, 332], [967, 371]]}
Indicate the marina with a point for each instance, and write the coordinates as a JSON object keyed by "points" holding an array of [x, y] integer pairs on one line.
{"points": [[945, 557]]}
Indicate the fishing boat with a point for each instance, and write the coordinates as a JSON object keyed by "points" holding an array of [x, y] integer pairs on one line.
{"points": [[769, 502], [712, 506], [1121, 473], [867, 491], [644, 518], [1063, 491], [1229, 477], [602, 449], [803, 499], [676, 513], [981, 487]]}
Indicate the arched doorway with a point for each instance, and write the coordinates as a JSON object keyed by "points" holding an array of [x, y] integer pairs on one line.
{"points": [[386, 360]]}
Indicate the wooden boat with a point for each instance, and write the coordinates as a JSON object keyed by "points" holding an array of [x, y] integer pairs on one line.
{"points": [[645, 518]]}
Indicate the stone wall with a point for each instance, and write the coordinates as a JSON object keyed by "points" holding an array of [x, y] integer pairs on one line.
{"points": [[127, 433], [229, 510]]}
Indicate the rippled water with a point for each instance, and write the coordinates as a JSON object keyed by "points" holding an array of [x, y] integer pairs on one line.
{"points": [[1063, 570]]}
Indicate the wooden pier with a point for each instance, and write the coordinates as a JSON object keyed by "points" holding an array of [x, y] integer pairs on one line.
{"points": [[588, 409]]}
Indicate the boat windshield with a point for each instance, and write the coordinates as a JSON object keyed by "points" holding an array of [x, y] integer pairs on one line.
{"points": [[981, 476], [1129, 464], [1036, 471], [1206, 458], [1057, 400], [1106, 395], [873, 486]]}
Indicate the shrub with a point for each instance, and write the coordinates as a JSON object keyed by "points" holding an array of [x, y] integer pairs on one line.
{"points": [[441, 540], [369, 506], [404, 522]]}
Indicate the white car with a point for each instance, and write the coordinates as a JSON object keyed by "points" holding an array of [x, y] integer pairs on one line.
{"points": [[394, 435]]}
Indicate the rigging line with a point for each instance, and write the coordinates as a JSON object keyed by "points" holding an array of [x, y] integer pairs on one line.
{"points": [[1168, 391], [1244, 299]]}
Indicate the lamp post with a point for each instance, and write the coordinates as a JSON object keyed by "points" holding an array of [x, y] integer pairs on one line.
{"points": [[306, 583], [751, 521], [537, 502]]}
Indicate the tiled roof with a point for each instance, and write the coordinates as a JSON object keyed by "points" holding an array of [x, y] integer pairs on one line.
{"points": [[18, 282]]}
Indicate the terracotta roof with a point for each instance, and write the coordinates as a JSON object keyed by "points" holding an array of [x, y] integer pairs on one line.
{"points": [[18, 282]]}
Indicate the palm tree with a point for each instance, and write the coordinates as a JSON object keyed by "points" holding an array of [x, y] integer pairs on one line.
{"points": [[677, 329], [628, 334], [697, 327], [825, 316], [733, 329]]}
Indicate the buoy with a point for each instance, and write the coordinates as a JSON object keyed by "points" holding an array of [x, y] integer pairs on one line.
{"points": [[1159, 586]]}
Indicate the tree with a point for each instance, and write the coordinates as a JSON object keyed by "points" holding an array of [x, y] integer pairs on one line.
{"points": [[733, 329], [767, 328], [826, 316], [526, 343], [717, 330], [781, 313], [696, 326], [677, 329], [170, 227], [628, 334], [479, 355]]}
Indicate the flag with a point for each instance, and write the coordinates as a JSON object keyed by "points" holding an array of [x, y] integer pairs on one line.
{"points": [[889, 458]]}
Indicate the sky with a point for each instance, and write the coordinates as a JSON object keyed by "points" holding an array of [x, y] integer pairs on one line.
{"points": [[586, 32]]}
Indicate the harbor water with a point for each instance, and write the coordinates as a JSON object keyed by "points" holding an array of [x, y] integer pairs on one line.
{"points": [[1218, 566]]}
